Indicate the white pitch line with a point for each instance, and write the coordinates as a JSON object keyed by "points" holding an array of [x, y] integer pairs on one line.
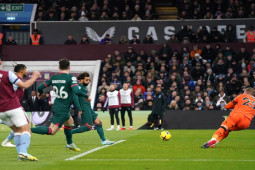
{"points": [[169, 160], [91, 151]]}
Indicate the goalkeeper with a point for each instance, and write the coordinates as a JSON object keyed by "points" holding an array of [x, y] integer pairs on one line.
{"points": [[88, 116]]}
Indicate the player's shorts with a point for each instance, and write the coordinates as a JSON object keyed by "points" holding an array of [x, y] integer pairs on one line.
{"points": [[237, 121], [16, 117], [88, 116], [59, 119]]}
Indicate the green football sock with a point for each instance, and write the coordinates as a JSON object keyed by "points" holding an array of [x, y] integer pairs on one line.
{"points": [[80, 129], [68, 133], [41, 130], [100, 131]]}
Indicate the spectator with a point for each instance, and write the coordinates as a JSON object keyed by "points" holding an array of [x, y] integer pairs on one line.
{"points": [[197, 72], [11, 41], [46, 103], [84, 40], [230, 34], [123, 40], [72, 17], [138, 98], [70, 41], [138, 85], [195, 51], [34, 102], [148, 105], [136, 18], [148, 40], [208, 53], [83, 17], [173, 105], [134, 40], [130, 55], [173, 40], [106, 40]]}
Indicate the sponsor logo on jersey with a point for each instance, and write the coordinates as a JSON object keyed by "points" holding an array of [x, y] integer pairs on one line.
{"points": [[58, 81]]}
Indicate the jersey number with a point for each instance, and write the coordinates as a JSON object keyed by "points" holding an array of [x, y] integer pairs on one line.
{"points": [[247, 102], [60, 93]]}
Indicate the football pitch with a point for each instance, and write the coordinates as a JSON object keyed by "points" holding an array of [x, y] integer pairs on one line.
{"points": [[142, 149]]}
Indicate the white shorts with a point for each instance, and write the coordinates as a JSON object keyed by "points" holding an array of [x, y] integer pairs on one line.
{"points": [[16, 117]]}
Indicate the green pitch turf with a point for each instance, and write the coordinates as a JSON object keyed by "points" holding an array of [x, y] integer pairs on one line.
{"points": [[143, 149]]}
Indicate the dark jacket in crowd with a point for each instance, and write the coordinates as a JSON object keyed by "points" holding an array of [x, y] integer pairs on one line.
{"points": [[159, 104], [35, 105], [45, 104]]}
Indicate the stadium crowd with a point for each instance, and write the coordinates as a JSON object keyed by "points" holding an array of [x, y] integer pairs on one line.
{"points": [[95, 10], [215, 9], [191, 79]]}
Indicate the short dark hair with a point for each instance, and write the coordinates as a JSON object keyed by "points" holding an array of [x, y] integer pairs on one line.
{"points": [[82, 75], [19, 67], [64, 64]]}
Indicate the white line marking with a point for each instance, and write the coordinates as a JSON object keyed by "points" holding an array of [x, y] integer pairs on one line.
{"points": [[92, 150], [170, 160]]}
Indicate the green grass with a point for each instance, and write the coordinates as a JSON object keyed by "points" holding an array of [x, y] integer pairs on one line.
{"points": [[143, 149]]}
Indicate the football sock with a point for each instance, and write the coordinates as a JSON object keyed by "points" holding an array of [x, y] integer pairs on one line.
{"points": [[68, 133], [220, 134], [81, 129], [24, 141], [100, 131], [112, 126], [42, 130], [17, 141], [10, 136]]}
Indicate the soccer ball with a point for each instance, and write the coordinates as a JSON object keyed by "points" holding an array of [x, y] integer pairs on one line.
{"points": [[165, 135]]}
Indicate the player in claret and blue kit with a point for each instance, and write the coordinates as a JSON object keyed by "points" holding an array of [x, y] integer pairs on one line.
{"points": [[12, 113]]}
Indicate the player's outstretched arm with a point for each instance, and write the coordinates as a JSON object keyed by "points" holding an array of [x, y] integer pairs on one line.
{"points": [[230, 105], [47, 83], [76, 102], [79, 92], [233, 102], [29, 82]]}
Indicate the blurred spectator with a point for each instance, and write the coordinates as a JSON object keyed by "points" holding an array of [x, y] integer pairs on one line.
{"points": [[11, 41], [84, 40], [148, 40], [195, 51], [130, 55], [70, 41], [106, 40], [136, 18], [173, 105], [134, 40], [230, 34], [173, 40], [123, 40], [83, 17], [137, 86]]}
